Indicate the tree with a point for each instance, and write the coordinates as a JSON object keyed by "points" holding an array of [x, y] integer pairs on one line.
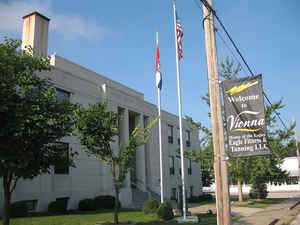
{"points": [[98, 129], [263, 168], [206, 156], [32, 120]]}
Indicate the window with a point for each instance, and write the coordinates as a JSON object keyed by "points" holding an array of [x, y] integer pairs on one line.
{"points": [[190, 167], [61, 167], [31, 205], [172, 166], [188, 138], [178, 136], [294, 180], [62, 95], [173, 194], [191, 191], [170, 133]]}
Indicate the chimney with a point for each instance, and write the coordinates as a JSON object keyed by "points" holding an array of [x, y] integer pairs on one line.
{"points": [[35, 33]]}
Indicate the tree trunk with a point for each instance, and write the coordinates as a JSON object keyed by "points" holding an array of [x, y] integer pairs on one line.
{"points": [[116, 219], [240, 190], [7, 196]]}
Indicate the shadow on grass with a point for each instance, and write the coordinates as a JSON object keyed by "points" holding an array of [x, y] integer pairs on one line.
{"points": [[254, 203], [90, 218]]}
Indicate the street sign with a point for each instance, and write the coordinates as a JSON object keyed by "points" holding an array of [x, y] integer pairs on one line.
{"points": [[245, 117]]}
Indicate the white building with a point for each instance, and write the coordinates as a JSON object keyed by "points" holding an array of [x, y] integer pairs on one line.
{"points": [[89, 178], [289, 164]]}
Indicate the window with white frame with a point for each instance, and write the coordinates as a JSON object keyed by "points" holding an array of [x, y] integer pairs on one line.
{"points": [[172, 165], [173, 194], [178, 136], [170, 133], [189, 167], [62, 95], [188, 138], [31, 205], [61, 167]]}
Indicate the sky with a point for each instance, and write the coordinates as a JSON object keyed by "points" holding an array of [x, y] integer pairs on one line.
{"points": [[117, 39]]}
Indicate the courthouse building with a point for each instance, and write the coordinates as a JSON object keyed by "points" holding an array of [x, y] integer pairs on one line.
{"points": [[89, 178]]}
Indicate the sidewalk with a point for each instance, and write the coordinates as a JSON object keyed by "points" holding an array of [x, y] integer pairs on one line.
{"points": [[279, 214]]}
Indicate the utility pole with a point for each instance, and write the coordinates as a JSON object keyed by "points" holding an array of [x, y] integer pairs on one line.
{"points": [[220, 156]]}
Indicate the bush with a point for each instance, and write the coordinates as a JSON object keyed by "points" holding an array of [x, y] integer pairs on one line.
{"points": [[19, 209], [87, 205], [200, 198], [105, 202], [57, 207], [150, 206], [165, 211], [258, 191]]}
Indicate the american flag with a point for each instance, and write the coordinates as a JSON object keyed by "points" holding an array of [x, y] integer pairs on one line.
{"points": [[179, 37]]}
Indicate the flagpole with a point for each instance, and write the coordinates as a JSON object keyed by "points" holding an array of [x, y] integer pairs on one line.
{"points": [[297, 148], [160, 141], [180, 117]]}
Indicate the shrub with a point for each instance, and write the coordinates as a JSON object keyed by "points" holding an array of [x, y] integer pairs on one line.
{"points": [[200, 198], [258, 191], [19, 209], [105, 202], [165, 211], [57, 207], [150, 206], [87, 205]]}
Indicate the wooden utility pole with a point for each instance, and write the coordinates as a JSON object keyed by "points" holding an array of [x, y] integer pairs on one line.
{"points": [[220, 156]]}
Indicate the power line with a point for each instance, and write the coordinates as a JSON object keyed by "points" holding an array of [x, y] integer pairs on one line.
{"points": [[227, 46], [205, 3], [246, 72], [211, 10]]}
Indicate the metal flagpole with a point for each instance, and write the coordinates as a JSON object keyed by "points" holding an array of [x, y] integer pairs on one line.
{"points": [[159, 127], [297, 148], [180, 117]]}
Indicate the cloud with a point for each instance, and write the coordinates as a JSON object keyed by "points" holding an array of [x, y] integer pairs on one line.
{"points": [[68, 26], [74, 26]]}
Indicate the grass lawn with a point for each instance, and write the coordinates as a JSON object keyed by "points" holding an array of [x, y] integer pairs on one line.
{"points": [[93, 218], [258, 204], [250, 203]]}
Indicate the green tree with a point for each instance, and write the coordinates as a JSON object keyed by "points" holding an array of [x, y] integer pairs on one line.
{"points": [[31, 118], [98, 129], [258, 168], [206, 156]]}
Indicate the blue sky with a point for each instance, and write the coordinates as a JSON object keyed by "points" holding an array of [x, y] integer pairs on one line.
{"points": [[117, 40]]}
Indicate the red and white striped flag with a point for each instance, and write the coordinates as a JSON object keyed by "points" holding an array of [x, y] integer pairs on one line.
{"points": [[179, 33]]}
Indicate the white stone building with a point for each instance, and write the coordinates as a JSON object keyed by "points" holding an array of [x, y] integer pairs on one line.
{"points": [[90, 178], [289, 164]]}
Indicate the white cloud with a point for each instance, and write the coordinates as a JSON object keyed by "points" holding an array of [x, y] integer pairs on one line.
{"points": [[74, 26], [69, 26]]}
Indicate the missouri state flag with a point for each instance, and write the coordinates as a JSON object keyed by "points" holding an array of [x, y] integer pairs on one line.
{"points": [[157, 69]]}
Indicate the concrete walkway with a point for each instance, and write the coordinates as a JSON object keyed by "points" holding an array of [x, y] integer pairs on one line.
{"points": [[277, 214]]}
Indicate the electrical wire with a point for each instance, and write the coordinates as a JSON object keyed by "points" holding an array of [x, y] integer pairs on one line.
{"points": [[228, 48], [211, 10]]}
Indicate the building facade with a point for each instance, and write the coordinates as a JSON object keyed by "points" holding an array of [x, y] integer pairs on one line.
{"points": [[89, 178]]}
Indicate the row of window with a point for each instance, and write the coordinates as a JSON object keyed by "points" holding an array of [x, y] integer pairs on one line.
{"points": [[171, 136], [32, 204], [172, 166], [62, 167], [175, 192]]}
